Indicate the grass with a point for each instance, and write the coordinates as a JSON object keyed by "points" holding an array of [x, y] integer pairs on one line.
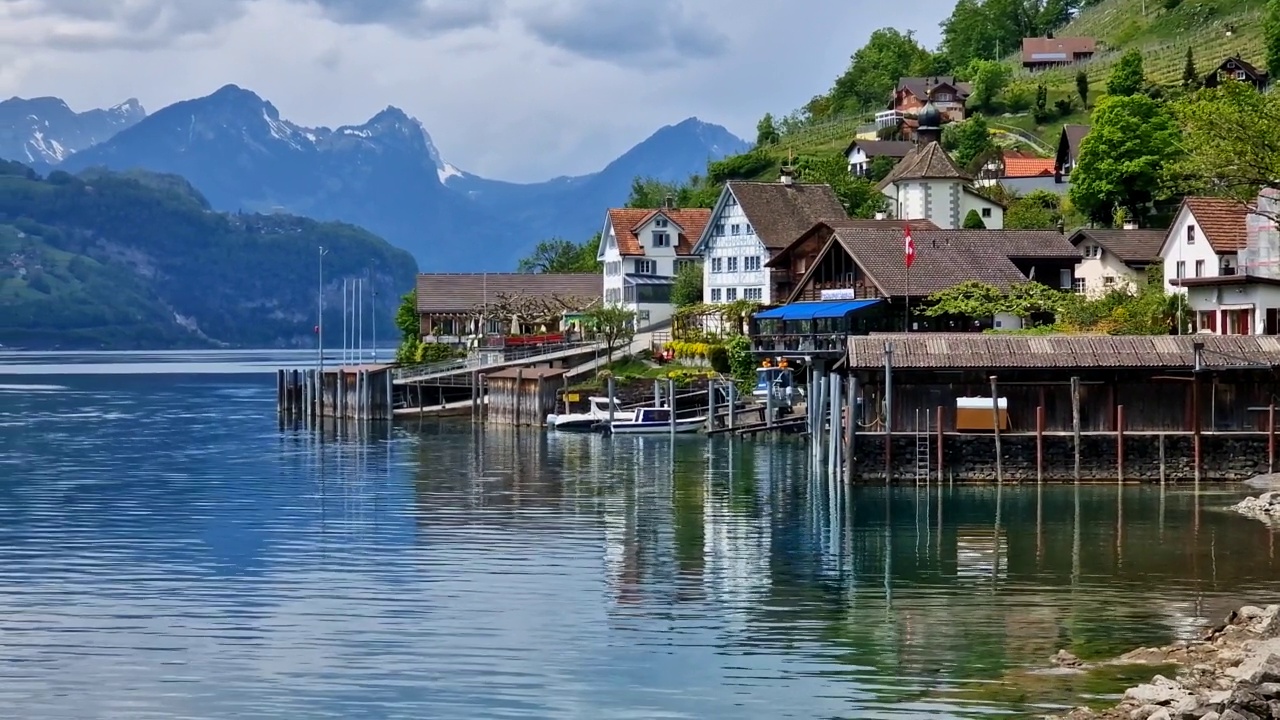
{"points": [[633, 369]]}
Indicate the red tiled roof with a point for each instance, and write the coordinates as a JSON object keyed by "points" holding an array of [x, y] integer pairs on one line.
{"points": [[627, 221], [1017, 166], [1222, 221], [1059, 49]]}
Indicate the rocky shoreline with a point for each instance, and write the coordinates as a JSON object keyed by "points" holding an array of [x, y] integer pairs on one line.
{"points": [[1231, 673], [1265, 507]]}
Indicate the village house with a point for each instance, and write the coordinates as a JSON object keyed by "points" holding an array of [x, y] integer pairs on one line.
{"points": [[1041, 53], [927, 184], [1113, 259], [1237, 69], [1021, 173], [861, 152], [913, 93], [1204, 240], [749, 223], [488, 309], [851, 262], [642, 251], [1069, 148]]}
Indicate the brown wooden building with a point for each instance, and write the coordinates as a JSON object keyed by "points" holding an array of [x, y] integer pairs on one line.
{"points": [[1237, 68], [454, 308]]}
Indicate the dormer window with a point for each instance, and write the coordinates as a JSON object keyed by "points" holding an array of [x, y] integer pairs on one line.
{"points": [[661, 240], [660, 222], [1092, 251], [943, 97]]}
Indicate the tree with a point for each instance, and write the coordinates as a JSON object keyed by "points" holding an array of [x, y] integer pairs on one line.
{"points": [[614, 325], [874, 71], [408, 323], [1127, 77], [989, 29], [1126, 158], [766, 131], [988, 79], [1082, 88], [687, 288], [1271, 35], [880, 167], [1041, 110], [1237, 164], [967, 140], [972, 299], [1037, 210], [560, 256], [858, 194], [1190, 78], [973, 221]]}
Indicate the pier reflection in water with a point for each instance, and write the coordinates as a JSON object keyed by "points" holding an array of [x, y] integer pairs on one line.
{"points": [[166, 550]]}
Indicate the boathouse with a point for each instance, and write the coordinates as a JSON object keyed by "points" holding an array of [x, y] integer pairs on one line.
{"points": [[1067, 406], [523, 396]]}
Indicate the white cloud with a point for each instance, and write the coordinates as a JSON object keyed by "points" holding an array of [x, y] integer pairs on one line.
{"points": [[513, 89]]}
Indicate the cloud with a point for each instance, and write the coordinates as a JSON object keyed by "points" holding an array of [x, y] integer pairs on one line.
{"points": [[665, 32], [415, 17], [91, 25]]}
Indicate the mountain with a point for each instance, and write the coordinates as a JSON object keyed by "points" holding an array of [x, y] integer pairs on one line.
{"points": [[140, 260], [386, 175], [43, 131]]}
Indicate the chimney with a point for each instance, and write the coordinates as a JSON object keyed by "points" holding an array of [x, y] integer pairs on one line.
{"points": [[1130, 225], [787, 175], [880, 215], [668, 202]]}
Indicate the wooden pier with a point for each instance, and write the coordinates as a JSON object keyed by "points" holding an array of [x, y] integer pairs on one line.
{"points": [[355, 392]]}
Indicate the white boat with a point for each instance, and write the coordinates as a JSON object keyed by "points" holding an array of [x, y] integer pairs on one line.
{"points": [[655, 421], [598, 414]]}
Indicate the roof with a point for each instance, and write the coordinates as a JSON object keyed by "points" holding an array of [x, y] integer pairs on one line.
{"points": [[924, 162], [852, 224], [1225, 280], [1016, 166], [814, 310], [627, 222], [1057, 49], [921, 86], [881, 148], [1074, 134], [780, 213], [1222, 221], [1130, 246], [462, 292], [1240, 64], [946, 258], [997, 352]]}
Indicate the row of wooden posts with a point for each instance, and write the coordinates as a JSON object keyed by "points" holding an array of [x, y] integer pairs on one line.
{"points": [[360, 394]]}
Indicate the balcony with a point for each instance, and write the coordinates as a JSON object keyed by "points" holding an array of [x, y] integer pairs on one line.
{"points": [[819, 345], [889, 119]]}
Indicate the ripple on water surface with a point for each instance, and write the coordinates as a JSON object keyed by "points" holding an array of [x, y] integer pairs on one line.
{"points": [[166, 550]]}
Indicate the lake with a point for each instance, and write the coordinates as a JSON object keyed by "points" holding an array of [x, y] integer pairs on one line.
{"points": [[168, 550]]}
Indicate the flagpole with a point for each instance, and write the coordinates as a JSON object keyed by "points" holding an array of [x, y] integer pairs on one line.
{"points": [[906, 304]]}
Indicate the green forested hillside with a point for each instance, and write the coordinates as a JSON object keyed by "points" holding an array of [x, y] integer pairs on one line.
{"points": [[140, 261]]}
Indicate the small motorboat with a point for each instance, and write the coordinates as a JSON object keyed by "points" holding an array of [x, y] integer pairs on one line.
{"points": [[589, 420], [655, 421]]}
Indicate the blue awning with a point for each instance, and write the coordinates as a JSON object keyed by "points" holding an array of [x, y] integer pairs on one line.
{"points": [[815, 310]]}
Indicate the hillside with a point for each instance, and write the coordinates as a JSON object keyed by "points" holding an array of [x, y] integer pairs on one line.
{"points": [[114, 261]]}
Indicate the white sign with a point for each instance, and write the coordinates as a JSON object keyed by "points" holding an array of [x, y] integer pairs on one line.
{"points": [[839, 294]]}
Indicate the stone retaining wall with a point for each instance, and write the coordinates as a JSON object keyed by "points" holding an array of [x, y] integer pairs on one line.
{"points": [[973, 457]]}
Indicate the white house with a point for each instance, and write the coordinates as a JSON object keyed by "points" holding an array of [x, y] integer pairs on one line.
{"points": [[1112, 259], [861, 152], [642, 250], [927, 184], [751, 222], [1204, 240], [1233, 304]]}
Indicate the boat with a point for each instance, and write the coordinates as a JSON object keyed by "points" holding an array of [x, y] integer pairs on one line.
{"points": [[587, 421], [655, 421]]}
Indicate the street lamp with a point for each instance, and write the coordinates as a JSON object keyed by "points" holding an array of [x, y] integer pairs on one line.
{"points": [[320, 316]]}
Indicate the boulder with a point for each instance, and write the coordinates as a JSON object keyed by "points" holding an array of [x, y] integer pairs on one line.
{"points": [[1160, 691], [1259, 669], [1065, 659]]}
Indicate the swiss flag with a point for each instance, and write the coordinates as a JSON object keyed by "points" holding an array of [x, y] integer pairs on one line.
{"points": [[908, 246]]}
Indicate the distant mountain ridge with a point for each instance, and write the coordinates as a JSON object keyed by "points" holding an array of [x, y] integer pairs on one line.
{"points": [[44, 131], [385, 175]]}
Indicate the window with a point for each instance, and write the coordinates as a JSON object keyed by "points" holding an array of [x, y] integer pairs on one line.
{"points": [[1207, 320], [682, 264], [1240, 75], [1199, 268], [661, 240], [986, 212], [730, 294], [750, 230], [731, 201], [751, 263], [660, 222], [715, 295], [753, 293], [1109, 281], [1064, 279], [1236, 322], [735, 229], [1180, 269], [1077, 286], [717, 265], [942, 97], [1092, 251], [719, 231], [1191, 235], [613, 269], [646, 267], [731, 264]]}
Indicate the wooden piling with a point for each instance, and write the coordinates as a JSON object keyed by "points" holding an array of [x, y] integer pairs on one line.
{"points": [[613, 398], [938, 430], [833, 448], [1120, 442], [515, 411], [1162, 458], [280, 392], [995, 423], [1040, 443], [1271, 437], [1195, 423], [733, 403], [711, 405], [1075, 422], [888, 411], [851, 435], [539, 409], [671, 402], [657, 393]]}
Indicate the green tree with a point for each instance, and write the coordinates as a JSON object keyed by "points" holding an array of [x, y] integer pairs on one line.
{"points": [[1127, 77], [1237, 164], [989, 78], [858, 194], [1041, 110], [614, 326], [988, 29], [1126, 158], [972, 299], [1190, 78], [1037, 210], [766, 131], [973, 221], [558, 256], [874, 71], [1271, 37], [880, 167], [686, 290], [1082, 88], [968, 140]]}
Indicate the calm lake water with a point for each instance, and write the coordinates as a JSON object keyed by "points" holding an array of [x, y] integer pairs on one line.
{"points": [[168, 551]]}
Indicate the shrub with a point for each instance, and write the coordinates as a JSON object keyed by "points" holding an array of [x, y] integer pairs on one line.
{"points": [[718, 357]]}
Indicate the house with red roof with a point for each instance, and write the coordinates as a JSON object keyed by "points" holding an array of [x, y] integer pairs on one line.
{"points": [[642, 250]]}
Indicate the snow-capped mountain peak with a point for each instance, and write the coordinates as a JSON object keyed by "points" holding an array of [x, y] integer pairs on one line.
{"points": [[44, 131]]}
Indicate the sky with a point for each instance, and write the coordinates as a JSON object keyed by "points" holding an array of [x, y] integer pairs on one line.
{"points": [[518, 90]]}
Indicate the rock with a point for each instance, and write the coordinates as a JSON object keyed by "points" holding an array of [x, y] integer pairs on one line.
{"points": [[1147, 712], [1244, 699], [1251, 612], [1268, 623], [1213, 715], [1160, 714], [1259, 669], [1233, 714], [1160, 691], [1065, 659], [1268, 690]]}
